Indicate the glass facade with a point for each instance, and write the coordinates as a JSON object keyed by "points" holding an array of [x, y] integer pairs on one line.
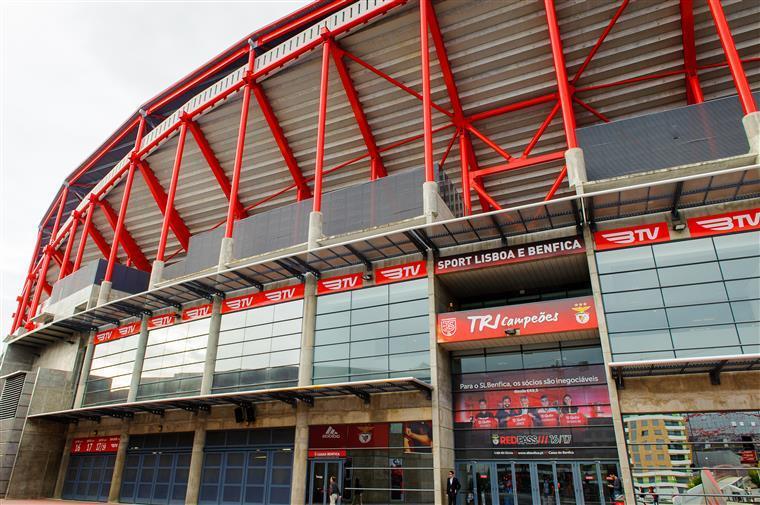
{"points": [[259, 348], [174, 359], [683, 299], [111, 371], [373, 333]]}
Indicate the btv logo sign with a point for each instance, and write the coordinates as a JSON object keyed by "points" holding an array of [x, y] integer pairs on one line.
{"points": [[244, 302], [724, 223], [196, 312], [632, 236], [280, 294], [400, 272], [331, 432], [338, 284]]}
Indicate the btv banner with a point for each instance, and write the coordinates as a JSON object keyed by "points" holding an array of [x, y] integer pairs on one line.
{"points": [[569, 314]]}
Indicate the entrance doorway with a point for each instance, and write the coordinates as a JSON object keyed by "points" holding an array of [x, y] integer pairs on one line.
{"points": [[320, 471], [535, 482]]}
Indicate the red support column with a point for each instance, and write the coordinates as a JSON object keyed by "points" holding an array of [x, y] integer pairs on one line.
{"points": [[75, 216], [693, 89], [323, 85], [18, 319], [237, 166], [176, 223], [169, 209], [85, 233], [565, 95], [427, 118], [135, 255], [463, 157], [732, 56]]}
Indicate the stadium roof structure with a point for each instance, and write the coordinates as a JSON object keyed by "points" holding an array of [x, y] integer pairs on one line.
{"points": [[342, 91]]}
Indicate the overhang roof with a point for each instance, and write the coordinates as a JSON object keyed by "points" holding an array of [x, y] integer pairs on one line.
{"points": [[713, 365]]}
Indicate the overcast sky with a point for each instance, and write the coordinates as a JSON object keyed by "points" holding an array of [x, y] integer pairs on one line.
{"points": [[71, 73]]}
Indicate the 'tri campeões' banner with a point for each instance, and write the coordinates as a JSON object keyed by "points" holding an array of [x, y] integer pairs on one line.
{"points": [[569, 314]]}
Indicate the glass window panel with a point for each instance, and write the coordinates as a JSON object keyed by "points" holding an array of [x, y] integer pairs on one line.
{"points": [[288, 310], [749, 333], [410, 290], [255, 362], [333, 320], [369, 297], [283, 358], [369, 365], [506, 361], [639, 320], [228, 365], [366, 348], [231, 336], [369, 315], [334, 303], [257, 346], [744, 289], [739, 245], [624, 260], [746, 311], [699, 315], [741, 268], [409, 343], [639, 356], [686, 295], [409, 309], [409, 326], [332, 336], [705, 336], [684, 252], [229, 351], [286, 342], [713, 351], [198, 327], [287, 327], [541, 358], [640, 341], [369, 331], [233, 320], [582, 355], [411, 361], [258, 332], [689, 274], [469, 364], [632, 300], [260, 315], [628, 281], [331, 368], [331, 352]]}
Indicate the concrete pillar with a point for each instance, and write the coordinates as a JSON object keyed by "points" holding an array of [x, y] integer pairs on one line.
{"points": [[118, 465], [576, 167], [315, 229], [300, 456], [196, 461], [104, 293], [156, 273], [65, 457], [430, 201], [617, 418], [212, 346], [142, 344], [442, 410], [225, 252], [85, 372], [306, 364], [752, 127]]}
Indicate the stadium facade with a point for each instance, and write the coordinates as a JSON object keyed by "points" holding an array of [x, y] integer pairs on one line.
{"points": [[523, 246]]}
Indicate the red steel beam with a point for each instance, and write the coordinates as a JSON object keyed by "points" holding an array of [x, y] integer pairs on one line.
{"points": [[484, 194], [310, 18], [116, 221], [598, 43], [322, 118], [214, 165], [732, 56], [443, 61], [465, 173], [540, 131], [591, 109], [520, 163], [58, 257], [170, 214], [487, 141], [85, 232], [100, 241], [427, 119], [565, 94], [176, 222], [693, 89], [304, 191], [75, 217], [377, 167], [18, 319], [512, 107], [557, 183]]}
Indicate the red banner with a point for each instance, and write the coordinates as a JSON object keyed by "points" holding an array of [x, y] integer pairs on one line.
{"points": [[198, 312], [507, 255], [631, 236], [117, 333], [719, 224], [328, 453], [349, 435], [161, 321], [95, 445], [339, 283], [263, 298], [569, 314], [399, 273]]}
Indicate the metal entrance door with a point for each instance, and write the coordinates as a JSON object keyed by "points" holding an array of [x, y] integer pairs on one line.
{"points": [[320, 471], [88, 477]]}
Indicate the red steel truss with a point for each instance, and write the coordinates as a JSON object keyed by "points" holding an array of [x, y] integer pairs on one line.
{"points": [[59, 245]]}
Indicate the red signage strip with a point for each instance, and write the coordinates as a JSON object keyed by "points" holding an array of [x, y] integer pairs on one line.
{"points": [[269, 297], [95, 445], [569, 314], [401, 273], [198, 312], [507, 255], [632, 236], [327, 453], [340, 283], [117, 333], [719, 224], [161, 321]]}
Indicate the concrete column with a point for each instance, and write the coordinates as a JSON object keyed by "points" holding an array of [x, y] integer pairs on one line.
{"points": [[306, 364], [65, 457], [225, 252], [118, 466], [156, 273], [104, 293], [752, 127], [212, 346], [86, 363], [430, 201], [315, 229], [196, 461], [442, 411], [617, 418], [576, 167], [300, 456], [142, 344]]}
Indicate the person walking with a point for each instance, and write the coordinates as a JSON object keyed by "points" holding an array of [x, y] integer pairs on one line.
{"points": [[333, 491], [452, 488], [358, 498]]}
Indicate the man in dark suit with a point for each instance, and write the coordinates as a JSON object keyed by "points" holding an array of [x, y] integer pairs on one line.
{"points": [[452, 488]]}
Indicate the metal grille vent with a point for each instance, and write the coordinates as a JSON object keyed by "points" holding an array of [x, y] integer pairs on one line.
{"points": [[10, 396]]}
